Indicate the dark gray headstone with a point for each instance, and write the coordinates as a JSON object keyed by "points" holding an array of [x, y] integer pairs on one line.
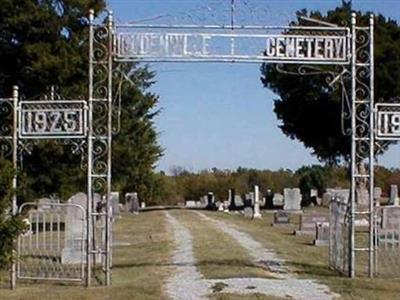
{"points": [[210, 201], [114, 197], [309, 221], [231, 195], [281, 218], [322, 234], [132, 203]]}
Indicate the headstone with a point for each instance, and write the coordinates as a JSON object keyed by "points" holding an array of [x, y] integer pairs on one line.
{"points": [[248, 212], [263, 201], [226, 206], [210, 201], [252, 198], [281, 218], [394, 195], [132, 203], [377, 192], [221, 206], [277, 200], [292, 199], [44, 204], [114, 197], [269, 204], [189, 203], [143, 204], [231, 197], [326, 199], [257, 212], [340, 195], [390, 217], [75, 228], [322, 234], [247, 200], [308, 222], [313, 193], [238, 201]]}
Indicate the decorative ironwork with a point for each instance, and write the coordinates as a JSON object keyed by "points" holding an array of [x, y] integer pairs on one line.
{"points": [[362, 143], [6, 127]]}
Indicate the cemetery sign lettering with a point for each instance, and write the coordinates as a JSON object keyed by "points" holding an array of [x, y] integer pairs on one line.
{"points": [[219, 43]]}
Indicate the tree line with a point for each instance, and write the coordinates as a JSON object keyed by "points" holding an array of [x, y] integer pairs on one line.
{"points": [[181, 185]]}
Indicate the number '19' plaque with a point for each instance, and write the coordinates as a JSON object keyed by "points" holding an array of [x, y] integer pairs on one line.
{"points": [[52, 119], [387, 121]]}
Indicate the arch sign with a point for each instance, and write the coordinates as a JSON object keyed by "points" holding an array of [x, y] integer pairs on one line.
{"points": [[238, 44]]}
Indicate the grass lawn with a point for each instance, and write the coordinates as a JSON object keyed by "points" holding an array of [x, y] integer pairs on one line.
{"points": [[138, 270], [309, 261]]}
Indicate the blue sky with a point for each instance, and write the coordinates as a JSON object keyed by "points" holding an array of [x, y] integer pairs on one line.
{"points": [[220, 115]]}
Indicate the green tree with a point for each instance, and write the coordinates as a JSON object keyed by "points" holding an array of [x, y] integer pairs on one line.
{"points": [[309, 111], [43, 44], [312, 177], [10, 226]]}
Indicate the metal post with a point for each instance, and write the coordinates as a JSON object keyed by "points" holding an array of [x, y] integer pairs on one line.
{"points": [[14, 180], [109, 141], [90, 158], [353, 148], [371, 148]]}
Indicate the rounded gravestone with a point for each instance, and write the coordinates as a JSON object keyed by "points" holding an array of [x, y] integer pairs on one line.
{"points": [[248, 212]]}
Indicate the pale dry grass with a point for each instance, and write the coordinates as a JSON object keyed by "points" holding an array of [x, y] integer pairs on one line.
{"points": [[139, 269], [309, 261]]}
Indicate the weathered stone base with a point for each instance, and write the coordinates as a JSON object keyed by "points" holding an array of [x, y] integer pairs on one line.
{"points": [[321, 243]]}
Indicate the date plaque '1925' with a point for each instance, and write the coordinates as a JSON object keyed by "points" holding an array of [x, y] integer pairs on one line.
{"points": [[52, 119]]}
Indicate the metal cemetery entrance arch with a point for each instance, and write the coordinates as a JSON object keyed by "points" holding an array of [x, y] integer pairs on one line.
{"points": [[349, 50], [88, 125]]}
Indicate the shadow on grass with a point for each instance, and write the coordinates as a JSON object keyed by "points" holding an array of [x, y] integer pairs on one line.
{"points": [[313, 269], [221, 263]]}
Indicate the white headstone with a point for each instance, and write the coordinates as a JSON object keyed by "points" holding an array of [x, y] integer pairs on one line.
{"points": [[75, 227], [292, 199], [257, 212], [394, 195], [277, 200]]}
